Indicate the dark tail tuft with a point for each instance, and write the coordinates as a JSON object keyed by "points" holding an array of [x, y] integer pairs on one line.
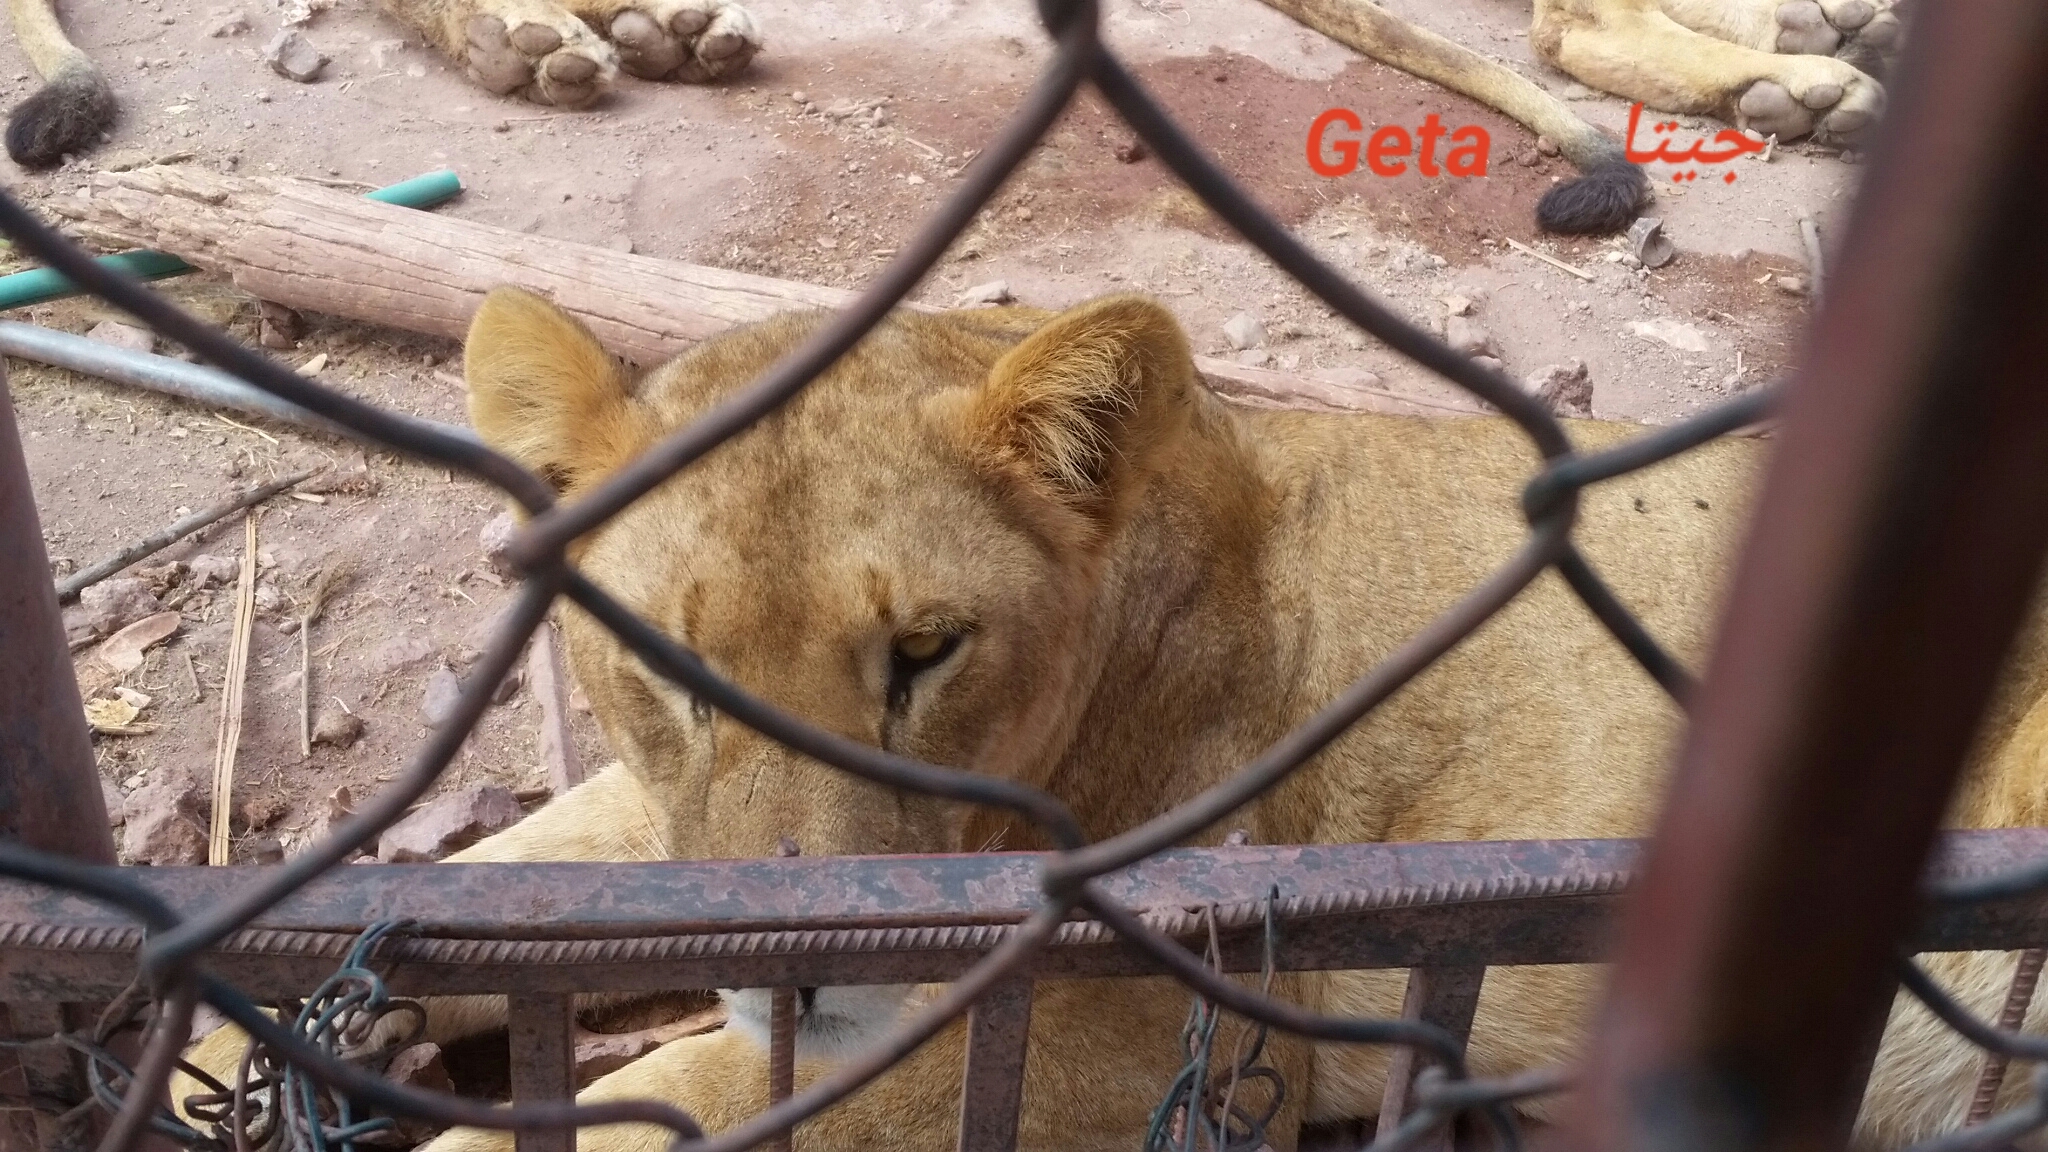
{"points": [[1605, 198], [65, 116]]}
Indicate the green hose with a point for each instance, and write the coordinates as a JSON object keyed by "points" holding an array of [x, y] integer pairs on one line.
{"points": [[41, 285]]}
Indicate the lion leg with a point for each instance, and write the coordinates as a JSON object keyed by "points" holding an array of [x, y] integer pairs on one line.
{"points": [[1864, 34], [535, 48], [1630, 48], [692, 41], [1101, 1054], [608, 817]]}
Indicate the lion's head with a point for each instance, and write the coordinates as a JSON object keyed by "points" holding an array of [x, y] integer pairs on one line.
{"points": [[905, 554]]}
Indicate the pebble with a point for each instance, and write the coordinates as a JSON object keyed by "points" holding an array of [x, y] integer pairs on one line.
{"points": [[449, 824], [119, 335], [1244, 331], [208, 569], [234, 25], [399, 653], [293, 57], [163, 825], [1490, 363], [1790, 285], [444, 689], [983, 295], [112, 605], [336, 728], [1546, 145], [1255, 357], [1567, 388], [1468, 337], [1130, 151]]}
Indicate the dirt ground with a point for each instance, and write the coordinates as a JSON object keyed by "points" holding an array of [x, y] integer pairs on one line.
{"points": [[849, 128]]}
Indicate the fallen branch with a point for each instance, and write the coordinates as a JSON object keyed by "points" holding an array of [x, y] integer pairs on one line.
{"points": [[313, 248], [551, 688], [1553, 261], [69, 588], [228, 736]]}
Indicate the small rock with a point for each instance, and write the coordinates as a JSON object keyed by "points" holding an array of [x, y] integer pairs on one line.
{"points": [[1490, 363], [495, 537], [419, 1066], [1675, 333], [293, 57], [266, 850], [401, 652], [208, 569], [1130, 152], [269, 601], [260, 812], [444, 688], [1468, 337], [234, 25], [1647, 242], [1458, 305], [449, 824], [336, 728], [116, 802], [1577, 91], [164, 826], [1528, 158], [278, 327], [1255, 357], [508, 686], [1546, 145], [112, 605], [1790, 285], [1567, 388], [1243, 331], [982, 295], [119, 335], [339, 807]]}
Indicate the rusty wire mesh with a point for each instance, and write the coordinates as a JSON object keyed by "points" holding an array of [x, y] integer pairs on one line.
{"points": [[174, 980]]}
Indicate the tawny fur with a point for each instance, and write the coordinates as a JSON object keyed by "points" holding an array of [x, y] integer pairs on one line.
{"points": [[1737, 60], [1156, 586], [559, 52]]}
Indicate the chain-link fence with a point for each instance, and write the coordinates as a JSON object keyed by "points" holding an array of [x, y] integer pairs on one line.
{"points": [[165, 942]]}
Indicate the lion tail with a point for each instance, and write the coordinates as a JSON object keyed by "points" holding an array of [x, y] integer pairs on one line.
{"points": [[1608, 191], [74, 105]]}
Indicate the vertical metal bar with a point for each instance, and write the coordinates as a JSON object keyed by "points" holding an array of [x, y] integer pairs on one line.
{"points": [[50, 795], [1447, 998], [543, 1041], [781, 1056], [1896, 543], [2011, 1017], [992, 1090]]}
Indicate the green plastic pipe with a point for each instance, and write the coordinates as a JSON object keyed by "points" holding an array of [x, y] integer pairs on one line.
{"points": [[41, 285]]}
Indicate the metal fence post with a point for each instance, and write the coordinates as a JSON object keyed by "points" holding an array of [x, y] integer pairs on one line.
{"points": [[543, 1042], [1897, 542], [50, 795]]}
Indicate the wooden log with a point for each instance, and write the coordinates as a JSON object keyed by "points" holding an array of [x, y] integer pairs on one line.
{"points": [[305, 246]]}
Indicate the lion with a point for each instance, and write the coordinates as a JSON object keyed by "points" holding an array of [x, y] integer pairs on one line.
{"points": [[1034, 545], [1784, 68], [566, 54]]}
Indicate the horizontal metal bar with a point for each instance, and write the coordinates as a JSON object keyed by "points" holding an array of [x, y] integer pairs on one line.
{"points": [[810, 921]]}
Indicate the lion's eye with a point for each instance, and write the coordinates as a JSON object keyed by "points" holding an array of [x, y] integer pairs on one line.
{"points": [[912, 654]]}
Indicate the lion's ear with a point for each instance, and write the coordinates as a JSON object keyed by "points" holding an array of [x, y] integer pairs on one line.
{"points": [[1078, 411], [543, 391]]}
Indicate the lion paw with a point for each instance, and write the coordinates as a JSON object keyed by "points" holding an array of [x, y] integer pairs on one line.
{"points": [[694, 41], [541, 52], [1861, 33], [1832, 101]]}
